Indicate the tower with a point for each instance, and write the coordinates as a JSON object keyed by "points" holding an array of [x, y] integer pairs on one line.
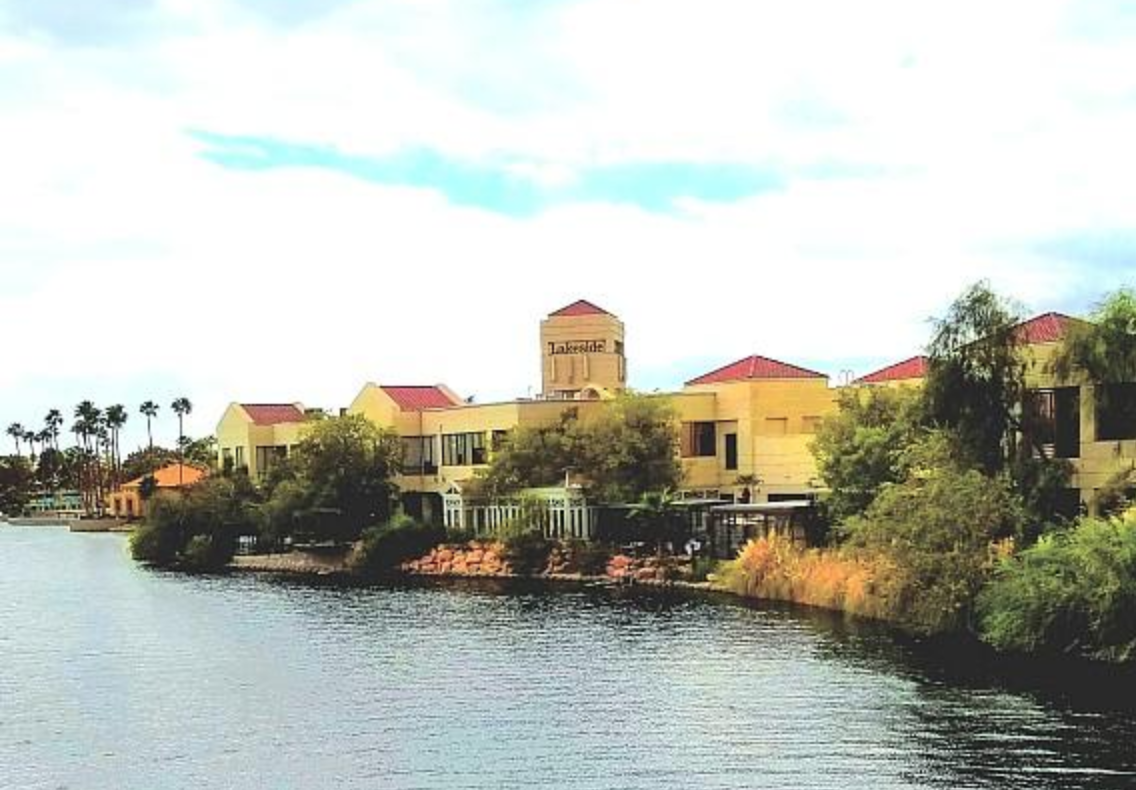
{"points": [[581, 351]]}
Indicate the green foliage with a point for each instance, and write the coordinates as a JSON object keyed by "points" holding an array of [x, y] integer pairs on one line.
{"points": [[278, 513], [146, 461], [16, 482], [657, 520], [215, 510], [1105, 349], [935, 529], [535, 456], [387, 546], [348, 464], [527, 552], [1118, 492], [861, 447], [587, 558], [1073, 592], [627, 449], [976, 376], [631, 448]]}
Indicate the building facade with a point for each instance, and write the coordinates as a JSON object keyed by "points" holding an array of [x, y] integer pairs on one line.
{"points": [[745, 427]]}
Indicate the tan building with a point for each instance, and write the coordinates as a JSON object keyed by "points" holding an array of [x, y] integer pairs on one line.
{"points": [[253, 435], [1066, 418], [581, 351], [751, 419]]}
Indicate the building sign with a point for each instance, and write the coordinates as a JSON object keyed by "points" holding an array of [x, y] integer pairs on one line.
{"points": [[578, 347]]}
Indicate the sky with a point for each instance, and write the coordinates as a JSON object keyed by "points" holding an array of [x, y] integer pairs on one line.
{"points": [[280, 200]]}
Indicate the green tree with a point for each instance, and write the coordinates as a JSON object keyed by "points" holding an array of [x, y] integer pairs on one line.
{"points": [[146, 461], [16, 431], [628, 449], [181, 407], [935, 531], [196, 527], [1104, 348], [976, 389], [631, 449], [52, 422], [535, 456], [149, 410], [1074, 592], [976, 376], [862, 447], [16, 483], [348, 465], [116, 417]]}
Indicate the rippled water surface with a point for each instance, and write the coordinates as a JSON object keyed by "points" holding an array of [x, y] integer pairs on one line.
{"points": [[112, 676]]}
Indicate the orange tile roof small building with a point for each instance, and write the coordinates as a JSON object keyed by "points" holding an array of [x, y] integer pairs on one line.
{"points": [[127, 501]]}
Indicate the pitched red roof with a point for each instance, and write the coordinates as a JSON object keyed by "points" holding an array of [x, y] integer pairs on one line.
{"points": [[417, 398], [581, 307], [755, 367], [273, 413], [1045, 328], [914, 368]]}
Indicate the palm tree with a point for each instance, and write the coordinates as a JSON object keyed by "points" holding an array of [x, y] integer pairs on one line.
{"points": [[53, 422], [181, 407], [86, 427], [16, 431], [150, 409], [116, 417], [748, 482], [30, 438]]}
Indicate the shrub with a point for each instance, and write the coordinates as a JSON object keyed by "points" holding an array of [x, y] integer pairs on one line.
{"points": [[212, 509], [775, 568], [934, 532], [527, 552], [1073, 592], [387, 546], [589, 559]]}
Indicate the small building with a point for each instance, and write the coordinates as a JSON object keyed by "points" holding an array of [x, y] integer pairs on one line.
{"points": [[253, 436], [128, 502]]}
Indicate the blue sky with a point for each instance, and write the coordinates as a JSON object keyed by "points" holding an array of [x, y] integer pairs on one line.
{"points": [[255, 200]]}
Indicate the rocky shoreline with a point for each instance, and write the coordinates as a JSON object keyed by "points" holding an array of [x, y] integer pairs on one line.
{"points": [[484, 560]]}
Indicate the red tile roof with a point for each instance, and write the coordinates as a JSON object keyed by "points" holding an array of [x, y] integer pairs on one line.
{"points": [[1045, 328], [417, 398], [755, 367], [273, 413], [914, 368], [168, 477], [581, 307]]}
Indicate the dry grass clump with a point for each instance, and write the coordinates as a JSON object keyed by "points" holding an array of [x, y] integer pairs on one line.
{"points": [[774, 568]]}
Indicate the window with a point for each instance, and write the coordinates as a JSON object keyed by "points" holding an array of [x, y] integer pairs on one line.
{"points": [[464, 449], [731, 451], [699, 439], [1052, 421], [239, 458], [418, 455], [810, 424], [498, 440], [1116, 412], [776, 426]]}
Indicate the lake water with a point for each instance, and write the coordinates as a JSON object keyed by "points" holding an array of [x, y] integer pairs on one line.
{"points": [[114, 676]]}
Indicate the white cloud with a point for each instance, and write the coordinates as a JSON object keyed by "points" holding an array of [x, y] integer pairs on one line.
{"points": [[957, 138]]}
